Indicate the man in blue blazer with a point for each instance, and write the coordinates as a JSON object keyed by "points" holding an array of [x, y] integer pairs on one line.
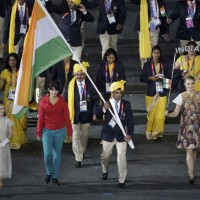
{"points": [[112, 16], [189, 26], [83, 101], [112, 134]]}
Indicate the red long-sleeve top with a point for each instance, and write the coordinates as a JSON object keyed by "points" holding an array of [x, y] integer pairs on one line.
{"points": [[53, 117]]}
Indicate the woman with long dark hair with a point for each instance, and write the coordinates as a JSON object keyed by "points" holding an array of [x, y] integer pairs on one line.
{"points": [[110, 70], [153, 73]]}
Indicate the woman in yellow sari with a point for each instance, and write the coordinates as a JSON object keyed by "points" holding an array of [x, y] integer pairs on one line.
{"points": [[153, 73], [189, 64], [8, 78]]}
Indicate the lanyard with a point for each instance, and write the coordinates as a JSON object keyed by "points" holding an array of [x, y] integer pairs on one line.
{"points": [[188, 63], [122, 109], [65, 15], [153, 68], [21, 16], [108, 71], [11, 74]]}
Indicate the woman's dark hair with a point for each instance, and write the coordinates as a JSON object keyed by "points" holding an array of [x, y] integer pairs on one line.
{"points": [[54, 84], [17, 59], [191, 43], [159, 49], [109, 52]]}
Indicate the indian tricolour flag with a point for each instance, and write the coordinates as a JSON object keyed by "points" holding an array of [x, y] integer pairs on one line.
{"points": [[44, 46], [167, 83]]}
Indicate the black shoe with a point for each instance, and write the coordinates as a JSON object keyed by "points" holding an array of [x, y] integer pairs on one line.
{"points": [[122, 185], [104, 176], [78, 164], [192, 180], [55, 181], [47, 179], [158, 140]]}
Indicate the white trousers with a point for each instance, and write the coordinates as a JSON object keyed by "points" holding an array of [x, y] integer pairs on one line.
{"points": [[108, 41], [77, 52], [79, 140], [121, 158]]}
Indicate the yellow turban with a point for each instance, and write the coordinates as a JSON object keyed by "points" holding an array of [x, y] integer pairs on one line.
{"points": [[117, 85], [76, 2], [77, 67]]}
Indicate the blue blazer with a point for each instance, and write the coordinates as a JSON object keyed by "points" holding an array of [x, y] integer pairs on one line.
{"points": [[126, 117], [72, 33], [17, 23], [92, 99], [119, 11], [118, 74], [181, 11], [147, 72]]}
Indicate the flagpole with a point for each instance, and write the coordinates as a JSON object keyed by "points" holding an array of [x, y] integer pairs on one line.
{"points": [[171, 80]]}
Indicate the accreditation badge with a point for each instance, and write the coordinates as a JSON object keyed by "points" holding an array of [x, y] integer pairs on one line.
{"points": [[23, 29], [159, 87], [112, 123], [11, 94], [111, 18], [156, 21], [83, 106], [108, 87], [189, 22]]}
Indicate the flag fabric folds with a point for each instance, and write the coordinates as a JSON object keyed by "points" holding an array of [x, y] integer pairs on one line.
{"points": [[44, 46]]}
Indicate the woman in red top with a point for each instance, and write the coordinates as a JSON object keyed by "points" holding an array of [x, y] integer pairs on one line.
{"points": [[53, 119]]}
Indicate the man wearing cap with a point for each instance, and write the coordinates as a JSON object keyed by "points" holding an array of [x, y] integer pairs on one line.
{"points": [[82, 102], [112, 134], [70, 25], [112, 16]]}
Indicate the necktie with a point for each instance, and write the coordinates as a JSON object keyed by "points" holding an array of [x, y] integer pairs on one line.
{"points": [[116, 106], [191, 9], [152, 25], [21, 14], [82, 91], [73, 16], [107, 5]]}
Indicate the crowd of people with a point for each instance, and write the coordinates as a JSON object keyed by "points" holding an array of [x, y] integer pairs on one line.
{"points": [[72, 102]]}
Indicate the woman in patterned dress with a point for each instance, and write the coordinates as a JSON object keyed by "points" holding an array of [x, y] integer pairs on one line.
{"points": [[8, 78], [188, 136]]}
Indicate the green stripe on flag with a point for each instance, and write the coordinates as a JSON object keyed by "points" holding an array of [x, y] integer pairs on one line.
{"points": [[49, 54]]}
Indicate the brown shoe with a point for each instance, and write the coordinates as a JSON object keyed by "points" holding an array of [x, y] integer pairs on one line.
{"points": [[1, 183]]}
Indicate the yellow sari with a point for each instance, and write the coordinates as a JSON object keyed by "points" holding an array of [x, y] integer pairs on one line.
{"points": [[156, 107], [19, 137]]}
